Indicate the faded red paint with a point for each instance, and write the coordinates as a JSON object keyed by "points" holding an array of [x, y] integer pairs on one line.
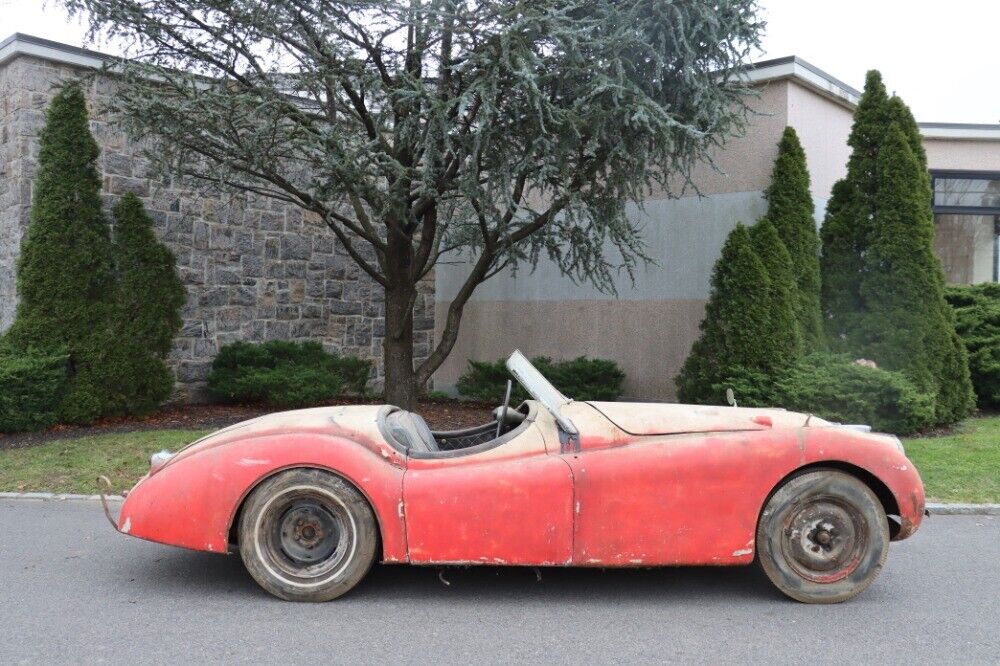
{"points": [[685, 496], [504, 510]]}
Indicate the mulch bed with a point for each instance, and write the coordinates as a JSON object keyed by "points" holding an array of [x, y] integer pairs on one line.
{"points": [[439, 414]]}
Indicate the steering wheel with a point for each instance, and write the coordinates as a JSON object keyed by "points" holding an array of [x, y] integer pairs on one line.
{"points": [[503, 410]]}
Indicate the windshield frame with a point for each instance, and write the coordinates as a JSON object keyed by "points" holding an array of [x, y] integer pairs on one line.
{"points": [[541, 389]]}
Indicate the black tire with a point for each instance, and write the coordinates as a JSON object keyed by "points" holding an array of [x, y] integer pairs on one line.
{"points": [[823, 537], [307, 535]]}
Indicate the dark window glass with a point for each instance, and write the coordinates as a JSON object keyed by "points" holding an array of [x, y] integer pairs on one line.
{"points": [[967, 193]]}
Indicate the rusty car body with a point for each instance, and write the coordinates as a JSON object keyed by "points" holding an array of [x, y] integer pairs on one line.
{"points": [[311, 498]]}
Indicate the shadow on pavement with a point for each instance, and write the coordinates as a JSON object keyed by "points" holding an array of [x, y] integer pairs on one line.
{"points": [[207, 575]]}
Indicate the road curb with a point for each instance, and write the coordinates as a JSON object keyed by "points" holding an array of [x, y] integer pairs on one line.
{"points": [[57, 497], [963, 509], [935, 509]]}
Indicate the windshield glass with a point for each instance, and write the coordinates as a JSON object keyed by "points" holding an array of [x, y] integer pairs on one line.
{"points": [[540, 388]]}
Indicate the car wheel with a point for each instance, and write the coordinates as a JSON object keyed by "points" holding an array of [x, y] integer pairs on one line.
{"points": [[823, 537], [307, 535]]}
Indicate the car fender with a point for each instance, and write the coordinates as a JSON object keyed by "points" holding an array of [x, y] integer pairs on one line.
{"points": [[882, 457], [193, 502]]}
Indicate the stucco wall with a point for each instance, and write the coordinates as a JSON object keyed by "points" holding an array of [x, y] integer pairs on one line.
{"points": [[963, 154], [823, 126], [254, 269], [648, 329]]}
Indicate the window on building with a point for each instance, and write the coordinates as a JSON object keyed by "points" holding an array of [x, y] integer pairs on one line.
{"points": [[967, 225]]}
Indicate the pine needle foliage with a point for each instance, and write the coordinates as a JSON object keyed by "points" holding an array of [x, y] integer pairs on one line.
{"points": [[736, 330], [149, 296], [908, 325], [65, 275], [883, 286], [790, 209], [109, 309], [487, 131], [786, 340], [849, 215]]}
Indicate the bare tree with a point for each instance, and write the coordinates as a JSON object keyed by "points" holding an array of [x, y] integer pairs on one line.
{"points": [[498, 130]]}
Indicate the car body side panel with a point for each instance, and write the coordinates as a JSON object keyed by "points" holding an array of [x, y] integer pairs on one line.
{"points": [[511, 505], [695, 499], [683, 499], [192, 501]]}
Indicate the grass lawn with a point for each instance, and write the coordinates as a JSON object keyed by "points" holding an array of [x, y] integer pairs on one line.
{"points": [[72, 465], [963, 466], [960, 467]]}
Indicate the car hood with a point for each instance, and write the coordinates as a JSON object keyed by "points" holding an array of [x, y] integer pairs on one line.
{"points": [[641, 418]]}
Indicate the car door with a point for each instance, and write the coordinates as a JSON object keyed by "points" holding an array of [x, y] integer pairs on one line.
{"points": [[510, 504], [687, 498]]}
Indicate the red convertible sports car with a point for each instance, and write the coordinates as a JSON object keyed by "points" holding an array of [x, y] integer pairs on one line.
{"points": [[312, 498]]}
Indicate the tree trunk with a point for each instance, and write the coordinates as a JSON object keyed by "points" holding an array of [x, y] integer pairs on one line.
{"points": [[400, 380]]}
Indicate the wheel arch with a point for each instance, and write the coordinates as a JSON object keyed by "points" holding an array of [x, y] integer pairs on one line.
{"points": [[234, 520], [885, 496]]}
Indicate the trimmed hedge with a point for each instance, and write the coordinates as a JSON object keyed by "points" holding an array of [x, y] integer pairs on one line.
{"points": [[834, 387], [977, 313], [883, 287], [741, 323], [113, 306], [581, 379], [32, 385], [65, 271], [284, 374]]}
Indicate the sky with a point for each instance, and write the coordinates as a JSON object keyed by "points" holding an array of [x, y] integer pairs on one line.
{"points": [[940, 57]]}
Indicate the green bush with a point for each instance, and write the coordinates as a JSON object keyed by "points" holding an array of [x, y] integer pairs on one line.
{"points": [[790, 210], [883, 286], [113, 305], [581, 379], [65, 275], [283, 374], [353, 371], [741, 324], [834, 387], [32, 385], [977, 311]]}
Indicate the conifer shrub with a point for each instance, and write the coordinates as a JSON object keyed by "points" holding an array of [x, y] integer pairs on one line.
{"points": [[32, 385], [581, 378], [110, 306], [834, 387], [149, 296], [977, 313], [282, 374], [883, 286], [783, 302], [739, 326], [790, 209], [65, 277]]}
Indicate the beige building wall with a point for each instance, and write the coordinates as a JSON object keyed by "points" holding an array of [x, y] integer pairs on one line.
{"points": [[823, 125], [963, 154]]}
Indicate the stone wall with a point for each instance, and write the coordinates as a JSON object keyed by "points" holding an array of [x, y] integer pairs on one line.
{"points": [[254, 269]]}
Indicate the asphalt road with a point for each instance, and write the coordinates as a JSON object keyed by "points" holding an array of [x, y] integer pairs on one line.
{"points": [[73, 590]]}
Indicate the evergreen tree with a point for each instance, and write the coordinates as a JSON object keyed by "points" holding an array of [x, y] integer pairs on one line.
{"points": [[735, 331], [149, 297], [65, 275], [790, 210], [785, 342], [849, 215], [907, 324]]}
